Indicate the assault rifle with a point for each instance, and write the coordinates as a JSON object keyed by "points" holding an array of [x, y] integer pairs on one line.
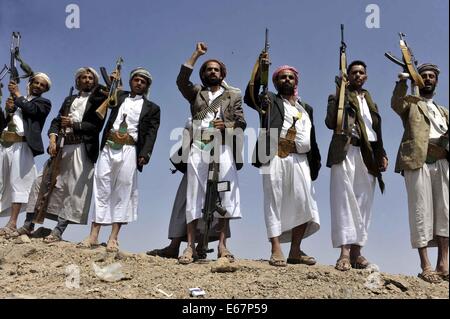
{"points": [[262, 67], [51, 171], [409, 65], [212, 199], [12, 70], [113, 87], [341, 85]]}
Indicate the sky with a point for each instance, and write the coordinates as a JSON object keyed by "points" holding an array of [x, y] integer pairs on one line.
{"points": [[161, 34]]}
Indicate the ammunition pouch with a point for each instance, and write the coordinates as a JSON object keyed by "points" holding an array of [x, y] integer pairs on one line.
{"points": [[72, 139], [435, 153]]}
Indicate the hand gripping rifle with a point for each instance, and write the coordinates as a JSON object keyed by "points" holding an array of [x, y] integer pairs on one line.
{"points": [[212, 199], [113, 87], [262, 65], [51, 172], [341, 85], [409, 65]]}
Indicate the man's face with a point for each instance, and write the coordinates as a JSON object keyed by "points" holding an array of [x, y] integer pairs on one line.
{"points": [[286, 82], [212, 75], [357, 76], [86, 82], [430, 81], [38, 86], [138, 85]]}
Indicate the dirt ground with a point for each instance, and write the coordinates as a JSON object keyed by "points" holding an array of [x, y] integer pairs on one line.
{"points": [[30, 268]]}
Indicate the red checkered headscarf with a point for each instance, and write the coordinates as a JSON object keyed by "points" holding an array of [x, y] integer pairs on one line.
{"points": [[284, 68]]}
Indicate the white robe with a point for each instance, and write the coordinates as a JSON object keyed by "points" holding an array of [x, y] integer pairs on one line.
{"points": [[289, 197], [351, 196], [428, 196], [17, 173], [115, 186], [197, 170], [71, 197]]}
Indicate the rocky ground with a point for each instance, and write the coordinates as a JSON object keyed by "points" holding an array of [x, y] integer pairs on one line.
{"points": [[30, 268]]}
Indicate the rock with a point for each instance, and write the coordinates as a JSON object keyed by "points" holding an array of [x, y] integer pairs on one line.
{"points": [[399, 283], [122, 255], [29, 252], [224, 265], [393, 287], [23, 239]]}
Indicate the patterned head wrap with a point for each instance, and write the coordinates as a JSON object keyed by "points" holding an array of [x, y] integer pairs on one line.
{"points": [[80, 71], [428, 67], [42, 76], [145, 74], [284, 68]]}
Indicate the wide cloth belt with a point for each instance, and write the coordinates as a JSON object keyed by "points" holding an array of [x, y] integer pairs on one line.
{"points": [[12, 137], [72, 139], [208, 137], [119, 138], [435, 153], [286, 147]]}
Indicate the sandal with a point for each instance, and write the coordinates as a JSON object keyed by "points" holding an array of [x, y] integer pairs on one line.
{"points": [[7, 230], [343, 263], [302, 259], [277, 260], [19, 232], [52, 238], [86, 243], [112, 246], [225, 253], [360, 263], [443, 275], [165, 252], [188, 257], [430, 276]]}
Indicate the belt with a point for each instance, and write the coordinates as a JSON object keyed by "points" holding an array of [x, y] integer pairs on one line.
{"points": [[71, 139], [355, 141], [119, 138], [9, 138], [435, 153], [286, 147]]}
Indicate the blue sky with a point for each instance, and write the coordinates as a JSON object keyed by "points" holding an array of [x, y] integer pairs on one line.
{"points": [[161, 34]]}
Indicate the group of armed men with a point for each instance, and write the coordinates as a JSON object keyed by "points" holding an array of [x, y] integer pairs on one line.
{"points": [[108, 170]]}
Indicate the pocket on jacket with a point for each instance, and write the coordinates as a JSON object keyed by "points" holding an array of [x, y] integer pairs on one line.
{"points": [[407, 150]]}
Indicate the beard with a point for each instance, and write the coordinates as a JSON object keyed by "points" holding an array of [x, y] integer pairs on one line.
{"points": [[212, 81], [286, 89], [427, 90]]}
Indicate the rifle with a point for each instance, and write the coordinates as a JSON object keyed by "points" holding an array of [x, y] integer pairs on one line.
{"points": [[113, 87], [212, 200], [51, 172], [12, 70], [341, 84], [3, 73], [409, 64], [262, 65]]}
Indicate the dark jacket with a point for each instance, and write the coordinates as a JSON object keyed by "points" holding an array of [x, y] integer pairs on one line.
{"points": [[34, 113], [91, 125], [276, 122], [147, 129], [372, 152]]}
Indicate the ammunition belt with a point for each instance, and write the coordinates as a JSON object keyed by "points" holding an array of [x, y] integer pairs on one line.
{"points": [[286, 147], [118, 138], [71, 139], [435, 153], [12, 137]]}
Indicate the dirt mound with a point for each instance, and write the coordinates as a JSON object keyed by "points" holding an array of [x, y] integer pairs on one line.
{"points": [[30, 268]]}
